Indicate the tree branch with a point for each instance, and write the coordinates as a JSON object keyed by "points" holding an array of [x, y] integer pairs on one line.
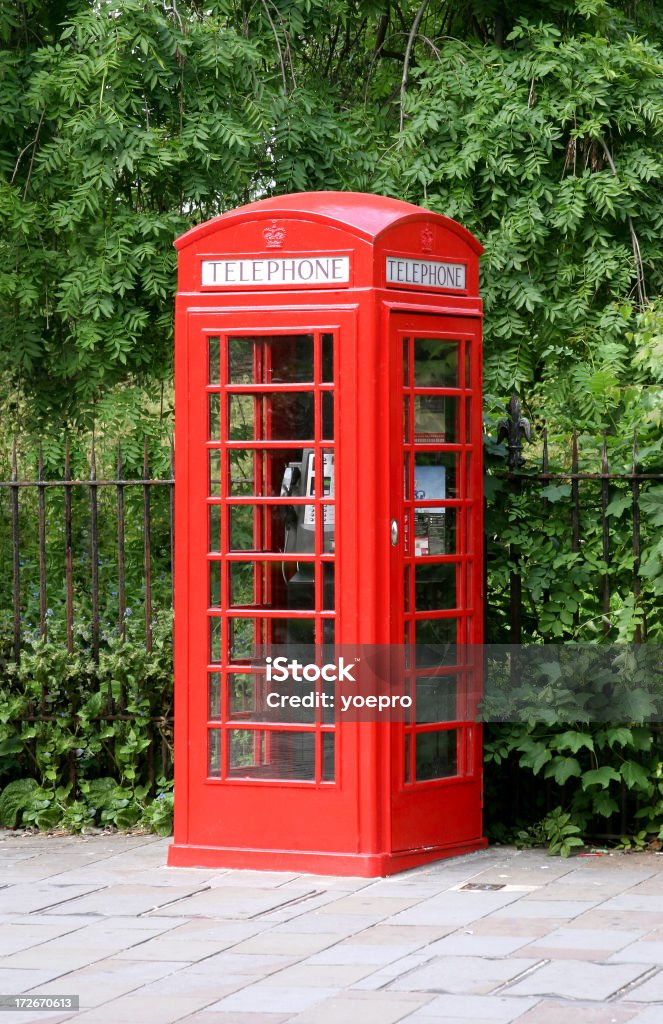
{"points": [[408, 56], [635, 244]]}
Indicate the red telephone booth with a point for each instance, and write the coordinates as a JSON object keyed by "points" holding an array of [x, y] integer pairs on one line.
{"points": [[338, 332]]}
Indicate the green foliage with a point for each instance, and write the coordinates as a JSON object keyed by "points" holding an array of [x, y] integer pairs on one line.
{"points": [[556, 831], [123, 125], [14, 799], [77, 734]]}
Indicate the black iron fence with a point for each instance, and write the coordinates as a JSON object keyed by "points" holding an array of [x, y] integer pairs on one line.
{"points": [[603, 517], [28, 519]]}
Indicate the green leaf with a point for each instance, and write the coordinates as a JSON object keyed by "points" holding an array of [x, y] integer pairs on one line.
{"points": [[600, 777]]}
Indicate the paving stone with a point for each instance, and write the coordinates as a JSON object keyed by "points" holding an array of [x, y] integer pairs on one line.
{"points": [[551, 1012], [377, 907], [293, 944], [170, 949], [616, 920], [359, 1008], [400, 934], [646, 902], [226, 933], [379, 954], [650, 991], [582, 943], [576, 979], [651, 1015], [22, 934], [479, 945], [321, 975], [471, 975], [22, 979], [530, 927], [545, 908], [215, 1017], [27, 897], [456, 908], [381, 977], [641, 952], [140, 1009], [493, 1009], [236, 903], [131, 900], [267, 996], [253, 965], [109, 979]]}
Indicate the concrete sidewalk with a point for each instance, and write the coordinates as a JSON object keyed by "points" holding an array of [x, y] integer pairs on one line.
{"points": [[494, 937]]}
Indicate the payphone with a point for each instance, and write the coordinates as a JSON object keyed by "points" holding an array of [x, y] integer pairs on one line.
{"points": [[299, 480]]}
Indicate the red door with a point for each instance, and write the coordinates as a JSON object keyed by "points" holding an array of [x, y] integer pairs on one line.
{"points": [[260, 491], [436, 575]]}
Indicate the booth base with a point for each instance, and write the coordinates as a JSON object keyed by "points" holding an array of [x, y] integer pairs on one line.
{"points": [[360, 865]]}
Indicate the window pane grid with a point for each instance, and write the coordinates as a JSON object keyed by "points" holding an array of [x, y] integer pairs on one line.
{"points": [[269, 388]]}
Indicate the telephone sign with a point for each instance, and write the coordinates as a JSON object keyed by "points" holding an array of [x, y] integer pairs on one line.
{"points": [[329, 498]]}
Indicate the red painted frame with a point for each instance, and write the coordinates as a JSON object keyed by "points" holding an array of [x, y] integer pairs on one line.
{"points": [[368, 821]]}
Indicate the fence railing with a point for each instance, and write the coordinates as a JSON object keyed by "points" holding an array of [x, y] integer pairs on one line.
{"points": [[120, 484], [588, 508]]}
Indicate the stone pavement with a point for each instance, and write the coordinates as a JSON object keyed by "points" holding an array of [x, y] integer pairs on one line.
{"points": [[494, 937]]}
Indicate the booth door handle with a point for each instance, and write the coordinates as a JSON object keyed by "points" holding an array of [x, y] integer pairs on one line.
{"points": [[394, 533]]}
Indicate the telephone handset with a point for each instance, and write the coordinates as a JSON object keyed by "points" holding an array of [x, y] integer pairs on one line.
{"points": [[299, 481]]}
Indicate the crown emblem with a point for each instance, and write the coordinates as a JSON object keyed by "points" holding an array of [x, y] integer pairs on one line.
{"points": [[274, 236], [427, 239]]}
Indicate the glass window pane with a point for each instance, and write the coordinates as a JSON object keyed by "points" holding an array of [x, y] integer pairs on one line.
{"points": [[436, 754], [327, 358], [214, 531], [244, 690], [214, 640], [435, 476], [434, 532], [214, 753], [213, 361], [327, 415], [242, 418], [328, 586], [281, 416], [277, 754], [328, 750], [407, 769], [278, 359], [435, 586], [436, 699], [241, 639], [435, 419], [214, 695], [214, 419], [436, 363], [284, 584], [406, 362], [435, 641], [214, 472], [214, 584]]}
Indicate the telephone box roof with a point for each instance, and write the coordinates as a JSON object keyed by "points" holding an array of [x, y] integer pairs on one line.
{"points": [[360, 213]]}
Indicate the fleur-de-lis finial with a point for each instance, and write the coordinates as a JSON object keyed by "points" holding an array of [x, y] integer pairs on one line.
{"points": [[274, 236], [513, 430]]}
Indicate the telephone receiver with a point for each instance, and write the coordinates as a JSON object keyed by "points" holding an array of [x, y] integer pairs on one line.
{"points": [[290, 486]]}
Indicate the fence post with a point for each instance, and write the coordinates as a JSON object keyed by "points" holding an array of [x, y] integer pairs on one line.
{"points": [[94, 553], [68, 554], [513, 429], [16, 558]]}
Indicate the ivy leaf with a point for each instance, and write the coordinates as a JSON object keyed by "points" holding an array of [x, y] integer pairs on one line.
{"points": [[555, 492], [635, 776], [600, 777]]}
